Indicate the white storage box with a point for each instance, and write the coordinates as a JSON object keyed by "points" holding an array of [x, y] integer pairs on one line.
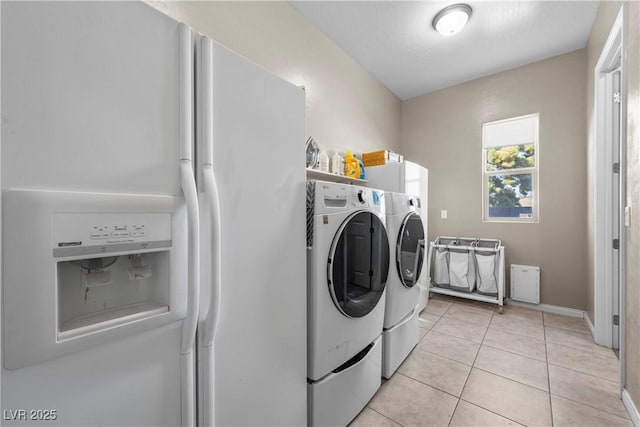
{"points": [[525, 283]]}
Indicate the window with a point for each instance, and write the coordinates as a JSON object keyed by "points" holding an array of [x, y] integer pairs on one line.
{"points": [[510, 169]]}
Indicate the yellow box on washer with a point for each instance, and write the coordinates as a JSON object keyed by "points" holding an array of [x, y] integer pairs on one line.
{"points": [[381, 157]]}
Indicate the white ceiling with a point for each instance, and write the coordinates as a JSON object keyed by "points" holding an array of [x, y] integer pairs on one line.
{"points": [[394, 40]]}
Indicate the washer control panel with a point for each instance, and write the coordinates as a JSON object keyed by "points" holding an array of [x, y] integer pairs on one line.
{"points": [[367, 197]]}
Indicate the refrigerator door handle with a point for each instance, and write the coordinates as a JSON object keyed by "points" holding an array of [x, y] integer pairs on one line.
{"points": [[210, 188], [188, 182], [193, 218]]}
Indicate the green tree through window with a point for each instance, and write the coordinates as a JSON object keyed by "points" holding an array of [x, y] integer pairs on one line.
{"points": [[510, 169], [506, 191]]}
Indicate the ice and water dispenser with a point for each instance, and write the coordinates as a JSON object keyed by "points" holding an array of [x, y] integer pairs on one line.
{"points": [[80, 269]]}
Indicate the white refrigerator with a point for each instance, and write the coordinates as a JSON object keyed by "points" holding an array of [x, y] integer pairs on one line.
{"points": [[142, 200]]}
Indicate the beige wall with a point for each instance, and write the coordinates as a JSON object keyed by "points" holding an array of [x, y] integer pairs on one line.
{"points": [[607, 13], [346, 107], [442, 131], [632, 311]]}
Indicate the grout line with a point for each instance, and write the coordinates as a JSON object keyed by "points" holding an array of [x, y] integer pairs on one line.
{"points": [[445, 357], [465, 321], [489, 410], [520, 334], [512, 380], [617, 383], [530, 322], [575, 347], [428, 385], [454, 336], [589, 406], [470, 370], [471, 367], [546, 355], [569, 330], [385, 416], [516, 353]]}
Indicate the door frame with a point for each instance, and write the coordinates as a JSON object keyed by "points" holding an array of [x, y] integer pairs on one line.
{"points": [[603, 182]]}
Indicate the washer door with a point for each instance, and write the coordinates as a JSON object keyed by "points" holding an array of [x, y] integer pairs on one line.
{"points": [[410, 250], [358, 264]]}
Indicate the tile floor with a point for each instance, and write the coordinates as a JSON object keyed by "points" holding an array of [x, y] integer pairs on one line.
{"points": [[475, 367]]}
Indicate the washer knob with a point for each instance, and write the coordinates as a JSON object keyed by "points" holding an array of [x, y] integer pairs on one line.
{"points": [[411, 202], [361, 197]]}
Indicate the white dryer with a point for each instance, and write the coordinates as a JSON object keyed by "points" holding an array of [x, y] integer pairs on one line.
{"points": [[347, 268], [409, 178], [406, 247]]}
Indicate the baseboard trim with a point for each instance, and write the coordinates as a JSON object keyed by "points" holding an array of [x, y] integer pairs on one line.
{"points": [[592, 328], [630, 407], [555, 309]]}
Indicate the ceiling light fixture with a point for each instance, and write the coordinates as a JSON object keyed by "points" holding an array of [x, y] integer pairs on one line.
{"points": [[452, 19]]}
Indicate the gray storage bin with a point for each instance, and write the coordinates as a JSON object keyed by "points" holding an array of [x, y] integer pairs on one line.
{"points": [[462, 266], [487, 263], [441, 260], [441, 267]]}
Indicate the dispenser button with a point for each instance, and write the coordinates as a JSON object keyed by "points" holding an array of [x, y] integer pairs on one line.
{"points": [[105, 235], [96, 236]]}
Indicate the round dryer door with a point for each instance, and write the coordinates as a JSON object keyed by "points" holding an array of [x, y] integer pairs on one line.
{"points": [[410, 250], [358, 264]]}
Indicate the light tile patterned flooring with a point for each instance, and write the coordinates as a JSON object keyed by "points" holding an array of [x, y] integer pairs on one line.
{"points": [[475, 367]]}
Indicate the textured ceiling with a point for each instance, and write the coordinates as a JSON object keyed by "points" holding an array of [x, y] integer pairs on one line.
{"points": [[394, 40]]}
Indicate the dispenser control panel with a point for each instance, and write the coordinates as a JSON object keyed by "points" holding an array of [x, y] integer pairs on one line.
{"points": [[105, 232], [85, 233]]}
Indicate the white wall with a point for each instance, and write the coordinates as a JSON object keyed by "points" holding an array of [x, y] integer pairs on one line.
{"points": [[443, 131], [346, 107]]}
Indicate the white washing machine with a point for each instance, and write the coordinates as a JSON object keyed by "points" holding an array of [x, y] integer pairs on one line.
{"points": [[347, 269], [406, 248]]}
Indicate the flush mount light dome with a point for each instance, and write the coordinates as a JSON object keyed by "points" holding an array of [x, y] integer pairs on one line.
{"points": [[452, 19]]}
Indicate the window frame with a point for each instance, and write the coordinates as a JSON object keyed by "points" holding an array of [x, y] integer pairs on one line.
{"points": [[534, 171]]}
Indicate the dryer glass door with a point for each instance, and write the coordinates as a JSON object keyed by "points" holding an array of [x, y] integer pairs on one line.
{"points": [[358, 264], [410, 250]]}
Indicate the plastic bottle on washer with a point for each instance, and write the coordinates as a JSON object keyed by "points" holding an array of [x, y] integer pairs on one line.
{"points": [[324, 161], [351, 166], [335, 163]]}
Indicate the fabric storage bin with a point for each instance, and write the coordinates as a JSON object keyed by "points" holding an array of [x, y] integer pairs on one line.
{"points": [[462, 266], [487, 263], [441, 260], [441, 267]]}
